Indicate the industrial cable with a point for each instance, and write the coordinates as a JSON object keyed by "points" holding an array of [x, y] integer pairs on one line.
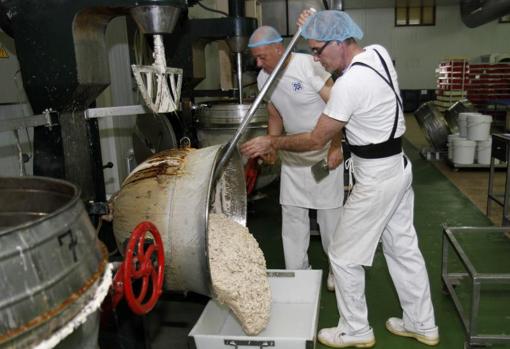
{"points": [[211, 9]]}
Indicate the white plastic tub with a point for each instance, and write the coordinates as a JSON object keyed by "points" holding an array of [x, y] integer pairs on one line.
{"points": [[478, 127], [483, 151], [451, 138], [293, 322], [463, 151], [462, 122]]}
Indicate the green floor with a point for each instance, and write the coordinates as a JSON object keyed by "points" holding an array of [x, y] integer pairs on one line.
{"points": [[437, 201]]}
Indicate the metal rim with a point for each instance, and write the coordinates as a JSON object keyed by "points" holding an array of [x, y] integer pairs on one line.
{"points": [[73, 200], [211, 186], [72, 299], [211, 190]]}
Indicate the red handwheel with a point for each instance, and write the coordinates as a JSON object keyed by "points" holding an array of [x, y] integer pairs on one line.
{"points": [[145, 261]]}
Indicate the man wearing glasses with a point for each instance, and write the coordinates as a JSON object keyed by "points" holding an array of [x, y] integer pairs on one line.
{"points": [[366, 101], [295, 104]]}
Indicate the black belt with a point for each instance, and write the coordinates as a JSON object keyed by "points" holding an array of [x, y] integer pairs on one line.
{"points": [[391, 147]]}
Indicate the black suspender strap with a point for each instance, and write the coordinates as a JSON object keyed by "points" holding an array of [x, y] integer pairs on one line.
{"points": [[393, 145], [397, 103], [389, 82]]}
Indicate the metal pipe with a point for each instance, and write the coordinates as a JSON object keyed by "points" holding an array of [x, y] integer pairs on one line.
{"points": [[336, 5], [476, 12], [232, 144], [240, 76], [236, 8]]}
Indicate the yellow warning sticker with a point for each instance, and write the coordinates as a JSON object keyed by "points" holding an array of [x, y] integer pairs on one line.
{"points": [[3, 53]]}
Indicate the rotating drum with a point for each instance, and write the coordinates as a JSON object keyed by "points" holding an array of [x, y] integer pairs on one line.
{"points": [[174, 190], [217, 124], [433, 125], [50, 262], [452, 113]]}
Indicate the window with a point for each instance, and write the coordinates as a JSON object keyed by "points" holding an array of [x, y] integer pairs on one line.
{"points": [[415, 13]]}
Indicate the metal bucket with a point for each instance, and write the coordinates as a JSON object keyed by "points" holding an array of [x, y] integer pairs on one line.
{"points": [[50, 260], [217, 123], [174, 190], [452, 113], [433, 125]]}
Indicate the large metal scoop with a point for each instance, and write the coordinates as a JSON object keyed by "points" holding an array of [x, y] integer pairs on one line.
{"points": [[159, 85]]}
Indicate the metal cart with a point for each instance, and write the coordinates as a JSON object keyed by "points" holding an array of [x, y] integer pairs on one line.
{"points": [[500, 151], [481, 267]]}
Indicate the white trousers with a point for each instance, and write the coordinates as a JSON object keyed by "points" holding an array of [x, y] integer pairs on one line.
{"points": [[296, 233], [382, 211]]}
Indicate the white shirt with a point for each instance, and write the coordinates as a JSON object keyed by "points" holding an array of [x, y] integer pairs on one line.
{"points": [[295, 95], [364, 101]]}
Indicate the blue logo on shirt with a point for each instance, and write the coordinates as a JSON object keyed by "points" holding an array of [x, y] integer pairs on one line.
{"points": [[297, 86]]}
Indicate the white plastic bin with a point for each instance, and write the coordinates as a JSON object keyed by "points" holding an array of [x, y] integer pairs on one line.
{"points": [[293, 322], [483, 151], [451, 138], [462, 123], [464, 151], [478, 127]]}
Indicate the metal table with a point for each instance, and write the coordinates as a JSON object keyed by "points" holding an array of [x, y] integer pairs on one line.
{"points": [[500, 151], [474, 270]]}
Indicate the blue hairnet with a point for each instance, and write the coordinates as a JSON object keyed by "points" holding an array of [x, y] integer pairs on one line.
{"points": [[331, 25], [264, 35]]}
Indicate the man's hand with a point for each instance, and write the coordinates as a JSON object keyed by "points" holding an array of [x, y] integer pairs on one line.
{"points": [[258, 146], [270, 158], [303, 16], [335, 157]]}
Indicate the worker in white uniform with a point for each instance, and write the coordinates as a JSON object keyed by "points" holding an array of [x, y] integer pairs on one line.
{"points": [[294, 104], [365, 101]]}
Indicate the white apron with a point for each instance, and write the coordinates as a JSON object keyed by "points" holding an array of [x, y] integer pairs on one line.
{"points": [[379, 189]]}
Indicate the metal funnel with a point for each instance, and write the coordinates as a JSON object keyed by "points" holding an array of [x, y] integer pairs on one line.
{"points": [[152, 19]]}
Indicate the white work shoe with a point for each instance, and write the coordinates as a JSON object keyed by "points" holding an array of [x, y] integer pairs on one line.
{"points": [[429, 337], [330, 283], [335, 338]]}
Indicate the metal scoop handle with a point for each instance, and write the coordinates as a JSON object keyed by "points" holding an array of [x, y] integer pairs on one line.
{"points": [[232, 144]]}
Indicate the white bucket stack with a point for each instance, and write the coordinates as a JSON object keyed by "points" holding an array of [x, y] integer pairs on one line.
{"points": [[473, 141], [478, 127], [483, 151], [451, 139]]}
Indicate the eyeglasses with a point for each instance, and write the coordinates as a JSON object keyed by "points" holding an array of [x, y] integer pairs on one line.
{"points": [[318, 51]]}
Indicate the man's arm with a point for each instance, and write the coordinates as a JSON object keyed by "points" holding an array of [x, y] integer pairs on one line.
{"points": [[323, 132], [335, 153], [326, 90], [274, 128], [275, 122]]}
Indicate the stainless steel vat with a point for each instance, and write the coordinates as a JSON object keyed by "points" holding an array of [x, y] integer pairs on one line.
{"points": [[452, 113], [50, 260], [433, 125], [217, 123], [173, 189]]}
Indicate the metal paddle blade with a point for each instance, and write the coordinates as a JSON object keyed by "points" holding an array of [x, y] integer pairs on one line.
{"points": [[320, 170], [160, 88]]}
